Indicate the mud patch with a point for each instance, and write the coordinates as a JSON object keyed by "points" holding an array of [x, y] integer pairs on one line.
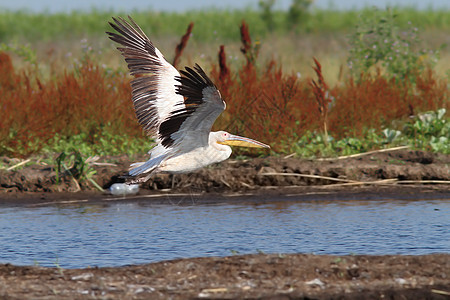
{"points": [[396, 167], [275, 276]]}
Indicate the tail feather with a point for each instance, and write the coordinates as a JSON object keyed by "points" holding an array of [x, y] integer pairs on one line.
{"points": [[146, 167], [136, 164], [137, 179]]}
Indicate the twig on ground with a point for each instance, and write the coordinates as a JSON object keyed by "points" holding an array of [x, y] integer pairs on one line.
{"points": [[226, 183], [347, 182], [18, 165], [390, 181], [440, 292], [76, 184], [246, 185], [362, 154], [424, 181], [310, 176], [377, 182], [103, 164]]}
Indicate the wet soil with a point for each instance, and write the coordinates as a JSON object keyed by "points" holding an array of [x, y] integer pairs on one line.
{"points": [[401, 167], [402, 174], [261, 276]]}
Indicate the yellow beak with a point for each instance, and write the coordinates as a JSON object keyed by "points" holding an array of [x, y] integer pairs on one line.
{"points": [[235, 140]]}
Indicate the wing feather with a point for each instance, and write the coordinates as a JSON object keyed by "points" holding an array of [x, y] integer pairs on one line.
{"points": [[177, 110], [193, 122], [153, 93]]}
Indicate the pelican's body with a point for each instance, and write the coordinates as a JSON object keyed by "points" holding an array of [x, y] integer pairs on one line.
{"points": [[178, 111], [193, 160]]}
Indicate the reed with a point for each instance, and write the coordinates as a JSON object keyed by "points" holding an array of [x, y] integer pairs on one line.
{"points": [[85, 100]]}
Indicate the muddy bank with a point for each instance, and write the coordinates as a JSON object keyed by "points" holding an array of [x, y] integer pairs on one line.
{"points": [[275, 276], [400, 168]]}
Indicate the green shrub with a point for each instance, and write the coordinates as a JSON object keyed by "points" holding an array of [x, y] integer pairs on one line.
{"points": [[430, 131], [378, 41], [298, 13], [100, 143]]}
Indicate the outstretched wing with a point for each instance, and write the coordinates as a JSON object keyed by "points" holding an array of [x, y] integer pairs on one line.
{"points": [[178, 111]]}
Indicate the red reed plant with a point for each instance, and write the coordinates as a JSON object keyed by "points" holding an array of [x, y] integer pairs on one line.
{"points": [[250, 50], [278, 108], [180, 47], [320, 89], [85, 100], [263, 104], [224, 70], [267, 106], [374, 102]]}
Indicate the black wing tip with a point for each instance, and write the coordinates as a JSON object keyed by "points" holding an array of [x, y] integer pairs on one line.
{"points": [[115, 26], [198, 73], [203, 75], [119, 19], [198, 68], [121, 22]]}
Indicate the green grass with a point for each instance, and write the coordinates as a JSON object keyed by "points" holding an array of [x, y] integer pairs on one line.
{"points": [[428, 131], [209, 25], [101, 143]]}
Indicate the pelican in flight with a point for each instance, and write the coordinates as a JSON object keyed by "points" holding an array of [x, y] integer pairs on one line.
{"points": [[178, 111]]}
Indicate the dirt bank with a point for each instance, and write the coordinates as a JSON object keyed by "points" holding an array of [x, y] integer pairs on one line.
{"points": [[401, 167], [293, 276]]}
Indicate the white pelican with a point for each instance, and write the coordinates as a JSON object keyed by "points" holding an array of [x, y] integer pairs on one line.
{"points": [[177, 111]]}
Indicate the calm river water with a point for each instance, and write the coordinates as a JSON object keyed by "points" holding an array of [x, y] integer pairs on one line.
{"points": [[118, 234]]}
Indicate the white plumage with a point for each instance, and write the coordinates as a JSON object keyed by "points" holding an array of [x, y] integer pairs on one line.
{"points": [[178, 111]]}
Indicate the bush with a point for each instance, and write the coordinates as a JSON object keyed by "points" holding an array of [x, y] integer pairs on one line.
{"points": [[430, 130], [88, 100], [379, 42]]}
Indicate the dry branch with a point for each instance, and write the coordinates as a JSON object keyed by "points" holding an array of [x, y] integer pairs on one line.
{"points": [[18, 165], [365, 153], [309, 176]]}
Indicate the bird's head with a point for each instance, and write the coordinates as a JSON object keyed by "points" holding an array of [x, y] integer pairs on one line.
{"points": [[225, 138]]}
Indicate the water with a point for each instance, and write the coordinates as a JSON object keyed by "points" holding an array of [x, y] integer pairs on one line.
{"points": [[139, 232]]}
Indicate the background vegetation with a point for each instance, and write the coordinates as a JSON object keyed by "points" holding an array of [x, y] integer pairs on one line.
{"points": [[380, 79], [210, 24]]}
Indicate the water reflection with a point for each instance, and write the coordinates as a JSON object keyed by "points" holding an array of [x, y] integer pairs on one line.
{"points": [[141, 232]]}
